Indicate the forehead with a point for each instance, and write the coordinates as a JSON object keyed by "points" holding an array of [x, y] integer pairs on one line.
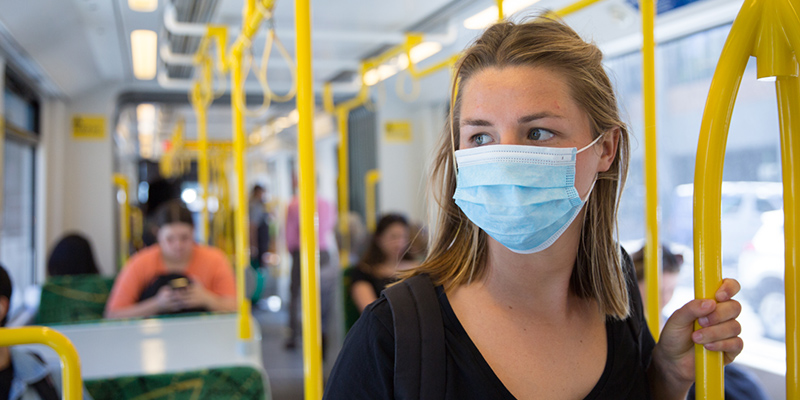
{"points": [[515, 90], [175, 228]]}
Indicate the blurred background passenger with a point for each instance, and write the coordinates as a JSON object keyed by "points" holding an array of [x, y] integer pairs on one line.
{"points": [[23, 375], [259, 226], [326, 222], [174, 275], [72, 255], [740, 384], [386, 254]]}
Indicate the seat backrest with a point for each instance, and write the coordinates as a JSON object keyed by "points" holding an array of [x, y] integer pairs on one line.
{"points": [[73, 298], [240, 382]]}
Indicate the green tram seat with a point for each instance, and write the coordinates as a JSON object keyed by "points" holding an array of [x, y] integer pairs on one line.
{"points": [[73, 298], [240, 382]]}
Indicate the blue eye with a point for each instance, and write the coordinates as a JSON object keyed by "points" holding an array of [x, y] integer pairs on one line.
{"points": [[481, 139], [539, 134]]}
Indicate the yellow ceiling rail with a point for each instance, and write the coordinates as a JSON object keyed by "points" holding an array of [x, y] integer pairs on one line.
{"points": [[121, 181], [70, 361], [574, 7], [371, 179], [769, 30], [312, 337]]}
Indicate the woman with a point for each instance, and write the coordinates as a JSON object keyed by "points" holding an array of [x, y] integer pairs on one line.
{"points": [[180, 274], [72, 255], [536, 296], [387, 253]]}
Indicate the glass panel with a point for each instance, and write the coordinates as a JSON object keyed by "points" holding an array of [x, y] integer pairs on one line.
{"points": [[16, 242], [751, 209]]}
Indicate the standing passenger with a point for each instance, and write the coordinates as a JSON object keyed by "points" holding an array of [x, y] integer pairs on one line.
{"points": [[174, 275], [326, 221], [259, 226], [537, 299]]}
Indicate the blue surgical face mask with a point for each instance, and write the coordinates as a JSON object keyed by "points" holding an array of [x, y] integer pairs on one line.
{"points": [[522, 196]]}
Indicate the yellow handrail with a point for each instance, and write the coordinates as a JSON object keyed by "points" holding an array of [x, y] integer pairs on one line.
{"points": [[788, 95], [312, 337], [577, 6], [769, 30], [121, 181], [652, 245], [71, 371], [371, 179]]}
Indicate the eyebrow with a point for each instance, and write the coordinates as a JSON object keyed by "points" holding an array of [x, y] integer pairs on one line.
{"points": [[521, 120]]}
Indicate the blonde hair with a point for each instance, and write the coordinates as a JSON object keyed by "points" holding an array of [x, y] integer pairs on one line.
{"points": [[459, 248]]}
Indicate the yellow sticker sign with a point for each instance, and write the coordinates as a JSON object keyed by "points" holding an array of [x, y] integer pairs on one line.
{"points": [[398, 131], [88, 126]]}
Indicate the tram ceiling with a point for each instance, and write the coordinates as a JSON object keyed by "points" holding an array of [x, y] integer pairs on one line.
{"points": [[83, 45]]}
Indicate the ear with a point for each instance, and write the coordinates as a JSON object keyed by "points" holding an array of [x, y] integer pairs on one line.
{"points": [[608, 144]]}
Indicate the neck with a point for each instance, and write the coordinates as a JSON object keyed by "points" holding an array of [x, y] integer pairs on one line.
{"points": [[537, 284], [5, 358]]}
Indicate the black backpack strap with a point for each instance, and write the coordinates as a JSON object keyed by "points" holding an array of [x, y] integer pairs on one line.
{"points": [[419, 348]]}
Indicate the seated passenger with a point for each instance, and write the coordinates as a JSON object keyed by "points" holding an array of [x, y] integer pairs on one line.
{"points": [[174, 275], [387, 253], [72, 255], [740, 384], [23, 375]]}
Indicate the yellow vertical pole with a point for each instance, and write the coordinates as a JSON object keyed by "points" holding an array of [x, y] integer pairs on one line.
{"points": [[124, 219], [240, 213], [500, 15], [344, 184], [370, 180], [201, 99], [652, 245], [312, 337], [708, 185], [71, 371], [788, 90]]}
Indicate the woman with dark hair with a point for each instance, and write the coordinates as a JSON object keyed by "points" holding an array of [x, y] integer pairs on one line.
{"points": [[72, 255], [387, 253], [173, 275]]}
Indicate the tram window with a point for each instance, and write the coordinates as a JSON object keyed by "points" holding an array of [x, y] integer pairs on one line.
{"points": [[16, 236], [751, 219]]}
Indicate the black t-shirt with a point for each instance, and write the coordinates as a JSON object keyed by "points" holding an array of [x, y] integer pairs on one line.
{"points": [[6, 375], [365, 367], [378, 284]]}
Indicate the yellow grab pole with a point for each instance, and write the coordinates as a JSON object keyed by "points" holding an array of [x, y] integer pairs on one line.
{"points": [[500, 15], [312, 336], [124, 219], [652, 244], [201, 98], [371, 178], [708, 184], [71, 371], [344, 184], [240, 213], [788, 94]]}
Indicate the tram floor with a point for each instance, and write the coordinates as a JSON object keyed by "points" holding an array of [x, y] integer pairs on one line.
{"points": [[284, 367]]}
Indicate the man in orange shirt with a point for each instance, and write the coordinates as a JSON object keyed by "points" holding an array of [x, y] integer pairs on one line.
{"points": [[174, 275]]}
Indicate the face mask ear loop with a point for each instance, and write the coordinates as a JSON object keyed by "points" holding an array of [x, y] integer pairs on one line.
{"points": [[594, 142]]}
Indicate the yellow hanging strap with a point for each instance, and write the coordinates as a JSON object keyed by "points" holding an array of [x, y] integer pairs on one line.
{"points": [[70, 361]]}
